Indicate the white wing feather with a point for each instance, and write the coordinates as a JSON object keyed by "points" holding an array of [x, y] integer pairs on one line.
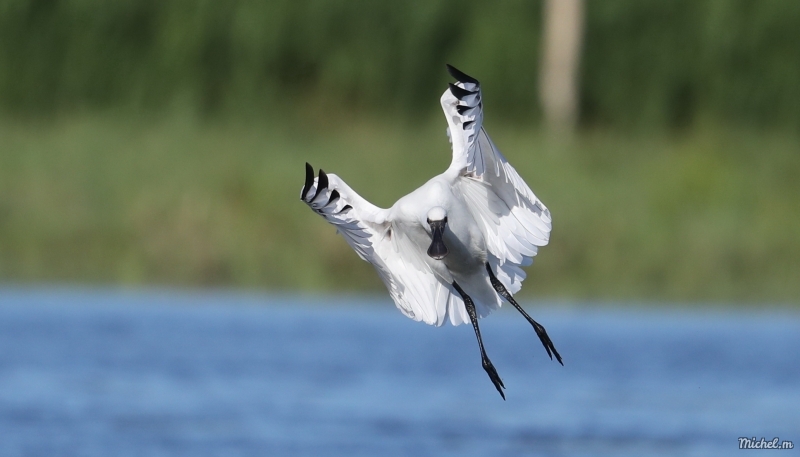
{"points": [[514, 221], [416, 290]]}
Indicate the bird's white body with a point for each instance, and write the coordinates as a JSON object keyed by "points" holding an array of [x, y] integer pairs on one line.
{"points": [[492, 218], [467, 246]]}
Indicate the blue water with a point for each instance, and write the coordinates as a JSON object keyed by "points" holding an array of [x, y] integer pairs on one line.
{"points": [[109, 373]]}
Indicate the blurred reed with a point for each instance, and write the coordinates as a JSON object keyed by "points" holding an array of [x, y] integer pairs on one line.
{"points": [[645, 63]]}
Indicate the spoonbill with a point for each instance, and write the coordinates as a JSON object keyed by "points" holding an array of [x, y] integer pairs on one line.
{"points": [[453, 248]]}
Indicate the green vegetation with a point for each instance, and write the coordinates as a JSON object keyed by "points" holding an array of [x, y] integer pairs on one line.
{"points": [[646, 63], [175, 200], [150, 142]]}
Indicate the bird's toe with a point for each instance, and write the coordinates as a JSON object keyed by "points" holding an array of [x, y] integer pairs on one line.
{"points": [[546, 342], [498, 383]]}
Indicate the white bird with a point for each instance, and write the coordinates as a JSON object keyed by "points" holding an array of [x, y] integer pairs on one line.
{"points": [[452, 248]]}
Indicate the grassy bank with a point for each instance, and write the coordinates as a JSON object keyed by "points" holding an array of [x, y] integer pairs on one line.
{"points": [[708, 215]]}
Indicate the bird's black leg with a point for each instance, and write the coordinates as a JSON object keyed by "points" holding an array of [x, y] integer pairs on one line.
{"points": [[540, 331], [487, 364]]}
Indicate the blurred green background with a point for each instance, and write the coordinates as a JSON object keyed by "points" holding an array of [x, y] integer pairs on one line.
{"points": [[163, 142]]}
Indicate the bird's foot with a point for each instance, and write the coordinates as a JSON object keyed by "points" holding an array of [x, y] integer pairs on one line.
{"points": [[548, 345], [498, 383]]}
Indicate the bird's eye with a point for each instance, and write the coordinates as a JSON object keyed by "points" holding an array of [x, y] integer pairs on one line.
{"points": [[429, 220], [445, 219]]}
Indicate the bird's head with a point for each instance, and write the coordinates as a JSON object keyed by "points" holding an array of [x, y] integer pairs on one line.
{"points": [[437, 220]]}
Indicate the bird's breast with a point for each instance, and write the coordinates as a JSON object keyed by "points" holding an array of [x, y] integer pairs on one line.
{"points": [[464, 240]]}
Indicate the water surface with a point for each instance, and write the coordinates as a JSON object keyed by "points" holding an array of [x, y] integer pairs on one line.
{"points": [[165, 373]]}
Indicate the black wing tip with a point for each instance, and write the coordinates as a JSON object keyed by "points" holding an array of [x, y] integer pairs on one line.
{"points": [[460, 76], [463, 109], [309, 181], [333, 198], [460, 93], [322, 183]]}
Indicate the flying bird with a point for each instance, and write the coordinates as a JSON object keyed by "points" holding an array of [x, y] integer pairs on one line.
{"points": [[452, 249]]}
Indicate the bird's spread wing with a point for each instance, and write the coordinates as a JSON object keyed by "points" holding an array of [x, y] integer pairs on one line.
{"points": [[416, 290], [329, 197], [515, 222]]}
